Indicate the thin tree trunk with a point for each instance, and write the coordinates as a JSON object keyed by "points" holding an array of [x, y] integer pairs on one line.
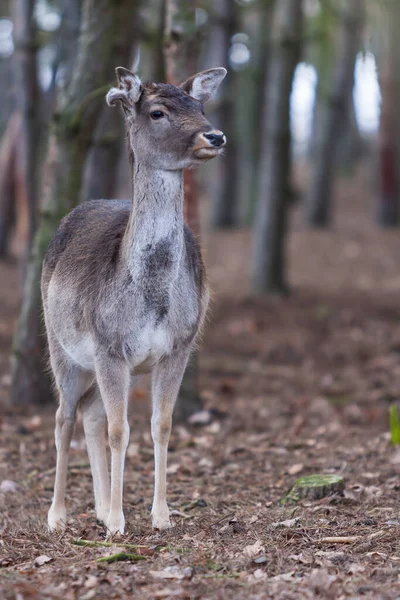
{"points": [[180, 55], [102, 164], [8, 155], [269, 269], [27, 97], [104, 22], [71, 24], [389, 151], [224, 210], [101, 167], [351, 145], [388, 209], [334, 115], [248, 114]]}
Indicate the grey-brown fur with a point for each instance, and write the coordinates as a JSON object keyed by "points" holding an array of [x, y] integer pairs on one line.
{"points": [[124, 290]]}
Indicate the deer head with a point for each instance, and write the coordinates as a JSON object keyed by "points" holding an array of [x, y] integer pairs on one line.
{"points": [[166, 123]]}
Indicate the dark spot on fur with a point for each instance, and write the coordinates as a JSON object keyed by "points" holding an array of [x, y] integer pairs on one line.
{"points": [[156, 270], [159, 259], [194, 259]]}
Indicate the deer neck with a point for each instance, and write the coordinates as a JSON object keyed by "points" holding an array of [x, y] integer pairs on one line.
{"points": [[155, 227]]}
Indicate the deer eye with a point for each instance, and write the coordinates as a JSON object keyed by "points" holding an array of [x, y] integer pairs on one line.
{"points": [[157, 114]]}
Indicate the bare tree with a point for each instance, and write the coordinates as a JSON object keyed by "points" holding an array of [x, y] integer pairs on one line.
{"points": [[388, 212], [102, 165], [180, 61], [334, 115], [101, 169], [268, 273], [102, 45], [27, 100], [8, 184], [224, 206]]}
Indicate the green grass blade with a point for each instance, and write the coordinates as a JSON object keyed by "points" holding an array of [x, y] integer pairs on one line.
{"points": [[394, 424]]}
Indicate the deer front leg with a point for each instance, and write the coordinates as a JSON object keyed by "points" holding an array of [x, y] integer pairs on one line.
{"points": [[166, 381], [113, 381]]}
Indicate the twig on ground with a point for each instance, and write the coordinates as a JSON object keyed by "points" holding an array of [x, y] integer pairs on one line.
{"points": [[349, 539], [95, 544], [121, 556]]}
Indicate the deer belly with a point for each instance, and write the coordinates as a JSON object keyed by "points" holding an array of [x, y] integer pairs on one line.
{"points": [[151, 346]]}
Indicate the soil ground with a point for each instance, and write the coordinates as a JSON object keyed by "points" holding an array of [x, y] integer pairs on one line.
{"points": [[298, 386]]}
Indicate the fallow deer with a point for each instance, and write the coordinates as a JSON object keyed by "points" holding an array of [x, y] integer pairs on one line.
{"points": [[125, 292]]}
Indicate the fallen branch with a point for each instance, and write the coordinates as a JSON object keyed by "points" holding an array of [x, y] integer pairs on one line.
{"points": [[350, 539], [94, 544], [120, 556]]}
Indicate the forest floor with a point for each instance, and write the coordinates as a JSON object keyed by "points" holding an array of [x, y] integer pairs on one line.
{"points": [[299, 386]]}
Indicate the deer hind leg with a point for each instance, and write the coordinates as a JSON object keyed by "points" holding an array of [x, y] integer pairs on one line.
{"points": [[166, 381], [113, 381], [94, 421], [71, 383]]}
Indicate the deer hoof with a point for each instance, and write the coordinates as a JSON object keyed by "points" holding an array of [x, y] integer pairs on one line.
{"points": [[161, 520], [115, 523], [102, 515], [57, 519]]}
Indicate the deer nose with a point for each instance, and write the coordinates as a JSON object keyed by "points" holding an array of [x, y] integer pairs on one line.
{"points": [[216, 139]]}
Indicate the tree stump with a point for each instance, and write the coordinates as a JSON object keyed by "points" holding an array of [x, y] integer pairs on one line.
{"points": [[314, 487]]}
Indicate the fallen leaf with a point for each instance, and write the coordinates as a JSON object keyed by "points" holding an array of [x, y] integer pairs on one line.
{"points": [[294, 469], [287, 523], [253, 549], [395, 458], [89, 595], [41, 560], [349, 495], [321, 579], [259, 574], [91, 582], [133, 450], [173, 572], [169, 593], [202, 417], [8, 486], [172, 469], [376, 553], [253, 519], [214, 427]]}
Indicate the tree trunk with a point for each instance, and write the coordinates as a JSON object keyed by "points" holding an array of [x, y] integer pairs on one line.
{"points": [[180, 55], [102, 164], [334, 116], [27, 96], [101, 167], [271, 215], [224, 210], [70, 30], [103, 23], [351, 145], [8, 155], [248, 108], [388, 212]]}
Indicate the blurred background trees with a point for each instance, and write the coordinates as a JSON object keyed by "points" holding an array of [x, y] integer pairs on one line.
{"points": [[312, 85]]}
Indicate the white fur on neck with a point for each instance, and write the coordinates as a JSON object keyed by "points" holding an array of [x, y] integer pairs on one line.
{"points": [[157, 213]]}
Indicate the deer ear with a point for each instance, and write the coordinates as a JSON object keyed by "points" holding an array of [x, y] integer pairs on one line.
{"points": [[128, 91], [204, 85]]}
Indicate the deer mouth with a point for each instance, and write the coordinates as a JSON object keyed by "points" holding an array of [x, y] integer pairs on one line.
{"points": [[207, 153]]}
